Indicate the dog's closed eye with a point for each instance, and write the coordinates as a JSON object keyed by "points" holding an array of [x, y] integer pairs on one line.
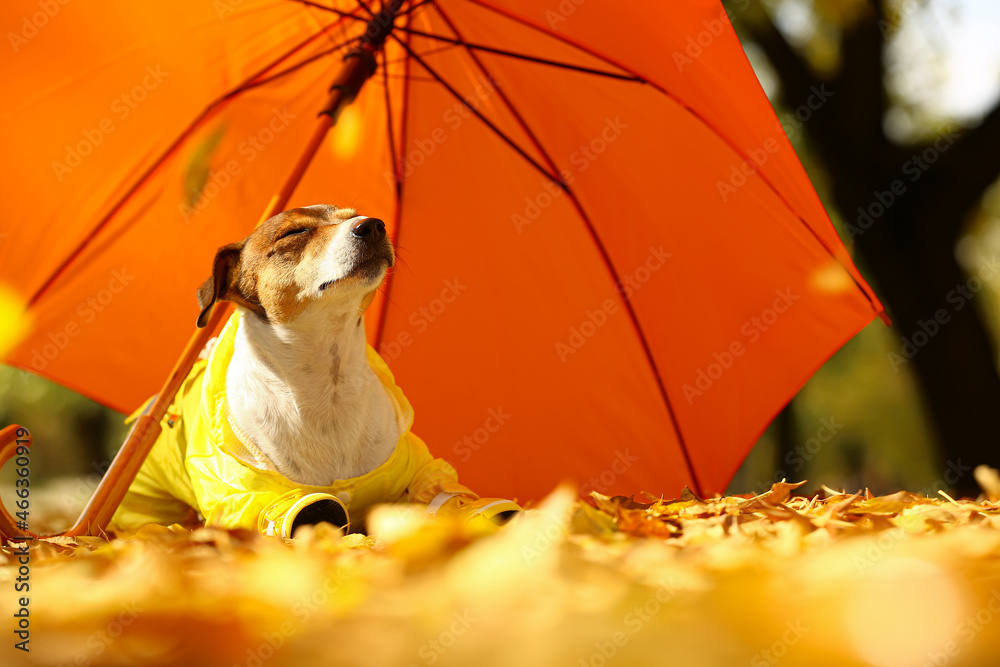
{"points": [[293, 232]]}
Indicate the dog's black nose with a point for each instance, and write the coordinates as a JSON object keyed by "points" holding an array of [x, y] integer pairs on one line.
{"points": [[370, 227]]}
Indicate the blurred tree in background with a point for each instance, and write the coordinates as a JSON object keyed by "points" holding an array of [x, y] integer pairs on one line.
{"points": [[904, 177], [76, 434]]}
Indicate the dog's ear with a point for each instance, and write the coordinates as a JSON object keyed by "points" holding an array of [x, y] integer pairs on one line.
{"points": [[217, 286]]}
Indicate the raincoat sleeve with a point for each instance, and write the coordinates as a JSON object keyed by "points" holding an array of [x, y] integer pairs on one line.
{"points": [[274, 514], [156, 497], [161, 492], [275, 511], [185, 471]]}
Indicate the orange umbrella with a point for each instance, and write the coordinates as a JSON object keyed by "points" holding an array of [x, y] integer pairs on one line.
{"points": [[614, 268]]}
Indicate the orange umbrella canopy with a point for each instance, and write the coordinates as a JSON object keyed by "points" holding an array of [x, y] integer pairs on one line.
{"points": [[613, 268]]}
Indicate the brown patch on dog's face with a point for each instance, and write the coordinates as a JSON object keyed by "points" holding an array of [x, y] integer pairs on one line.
{"points": [[297, 257]]}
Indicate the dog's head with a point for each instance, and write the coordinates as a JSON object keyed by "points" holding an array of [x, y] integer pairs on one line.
{"points": [[297, 258]]}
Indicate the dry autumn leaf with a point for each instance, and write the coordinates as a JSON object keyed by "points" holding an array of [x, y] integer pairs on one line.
{"points": [[807, 579]]}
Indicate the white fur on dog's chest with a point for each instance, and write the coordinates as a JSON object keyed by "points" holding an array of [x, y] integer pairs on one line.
{"points": [[307, 397], [299, 384]]}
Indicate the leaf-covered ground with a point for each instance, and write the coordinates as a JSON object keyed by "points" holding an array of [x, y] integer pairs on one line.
{"points": [[830, 579]]}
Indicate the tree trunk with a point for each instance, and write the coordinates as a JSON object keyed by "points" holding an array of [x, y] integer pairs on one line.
{"points": [[907, 244], [941, 336]]}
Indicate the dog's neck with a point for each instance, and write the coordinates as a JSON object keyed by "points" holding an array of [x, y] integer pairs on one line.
{"points": [[306, 396]]}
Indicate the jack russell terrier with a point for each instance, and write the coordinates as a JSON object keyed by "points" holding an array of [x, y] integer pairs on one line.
{"points": [[290, 418]]}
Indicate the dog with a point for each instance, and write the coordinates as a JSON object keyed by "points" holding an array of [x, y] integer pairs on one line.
{"points": [[291, 418]]}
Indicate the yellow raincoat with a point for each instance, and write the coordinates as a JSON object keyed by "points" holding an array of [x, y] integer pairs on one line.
{"points": [[202, 464]]}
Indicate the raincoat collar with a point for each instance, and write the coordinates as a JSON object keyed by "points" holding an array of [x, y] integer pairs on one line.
{"points": [[231, 439]]}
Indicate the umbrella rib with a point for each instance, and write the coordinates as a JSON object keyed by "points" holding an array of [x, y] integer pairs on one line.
{"points": [[414, 78], [496, 130], [213, 107], [605, 255], [879, 310], [631, 76], [298, 66], [429, 52], [390, 130], [397, 168], [524, 56], [344, 36]]}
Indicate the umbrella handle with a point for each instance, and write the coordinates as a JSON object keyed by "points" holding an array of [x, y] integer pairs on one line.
{"points": [[12, 439], [140, 440]]}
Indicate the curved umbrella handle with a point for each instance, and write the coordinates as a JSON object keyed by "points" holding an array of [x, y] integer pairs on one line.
{"points": [[12, 438]]}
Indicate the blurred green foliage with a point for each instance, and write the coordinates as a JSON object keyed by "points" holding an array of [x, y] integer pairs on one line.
{"points": [[75, 435]]}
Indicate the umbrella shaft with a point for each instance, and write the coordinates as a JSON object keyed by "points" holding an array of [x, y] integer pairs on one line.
{"points": [[359, 66]]}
